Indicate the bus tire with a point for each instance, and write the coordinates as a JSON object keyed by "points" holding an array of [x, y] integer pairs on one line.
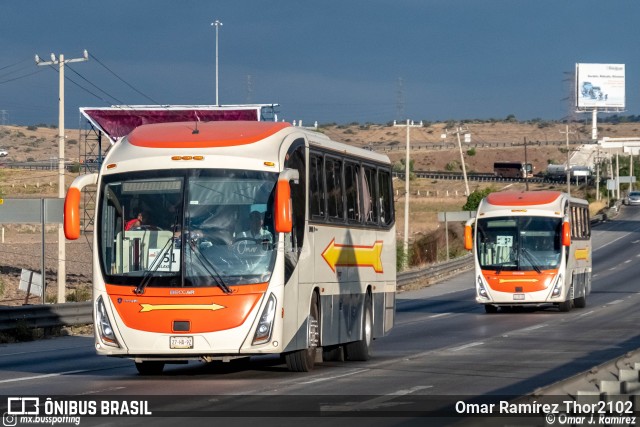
{"points": [[565, 306], [580, 302], [150, 367], [304, 360], [361, 350]]}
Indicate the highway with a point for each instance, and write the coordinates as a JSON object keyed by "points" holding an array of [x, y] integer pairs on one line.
{"points": [[443, 346]]}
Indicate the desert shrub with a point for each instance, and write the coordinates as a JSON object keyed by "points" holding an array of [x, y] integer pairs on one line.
{"points": [[474, 199]]}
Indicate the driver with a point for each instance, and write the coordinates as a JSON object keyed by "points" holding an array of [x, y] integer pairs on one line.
{"points": [[256, 230], [136, 222]]}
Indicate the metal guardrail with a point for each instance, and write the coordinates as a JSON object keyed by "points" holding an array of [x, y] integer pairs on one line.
{"points": [[46, 316], [81, 313], [434, 271]]}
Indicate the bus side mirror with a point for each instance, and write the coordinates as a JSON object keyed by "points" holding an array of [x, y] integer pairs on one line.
{"points": [[566, 234], [283, 216], [468, 237], [72, 205]]}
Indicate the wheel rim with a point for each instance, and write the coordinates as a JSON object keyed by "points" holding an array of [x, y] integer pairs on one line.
{"points": [[367, 327]]}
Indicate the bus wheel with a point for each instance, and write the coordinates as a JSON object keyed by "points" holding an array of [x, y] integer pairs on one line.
{"points": [[565, 306], [580, 302], [489, 308], [361, 350], [150, 368], [303, 360]]}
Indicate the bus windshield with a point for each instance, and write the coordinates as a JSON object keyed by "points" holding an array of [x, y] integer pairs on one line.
{"points": [[519, 243], [192, 228]]}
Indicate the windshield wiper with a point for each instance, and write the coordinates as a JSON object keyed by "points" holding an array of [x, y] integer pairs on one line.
{"points": [[146, 278], [533, 260], [209, 267]]}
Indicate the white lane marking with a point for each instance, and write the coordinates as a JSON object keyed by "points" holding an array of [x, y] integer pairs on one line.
{"points": [[375, 402], [627, 261], [317, 380], [439, 315], [37, 377], [635, 241], [615, 240], [104, 390], [534, 327], [463, 347], [618, 301], [587, 313], [18, 353]]}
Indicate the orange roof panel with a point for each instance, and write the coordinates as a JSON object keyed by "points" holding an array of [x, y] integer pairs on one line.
{"points": [[203, 134], [523, 198]]}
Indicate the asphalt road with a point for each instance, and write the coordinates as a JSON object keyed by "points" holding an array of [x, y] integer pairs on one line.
{"points": [[443, 349]]}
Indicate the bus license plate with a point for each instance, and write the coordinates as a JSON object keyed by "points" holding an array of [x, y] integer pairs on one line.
{"points": [[518, 297], [181, 342]]}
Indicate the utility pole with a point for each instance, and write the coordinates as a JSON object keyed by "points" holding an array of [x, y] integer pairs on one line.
{"points": [[409, 125], [217, 24], [458, 131], [526, 166], [4, 114], [598, 172], [566, 132], [61, 184]]}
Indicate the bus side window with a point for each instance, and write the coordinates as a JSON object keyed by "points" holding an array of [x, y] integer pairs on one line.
{"points": [[370, 201], [351, 173], [316, 186], [333, 177], [385, 194]]}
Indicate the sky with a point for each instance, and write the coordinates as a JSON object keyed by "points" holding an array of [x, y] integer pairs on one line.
{"points": [[334, 61]]}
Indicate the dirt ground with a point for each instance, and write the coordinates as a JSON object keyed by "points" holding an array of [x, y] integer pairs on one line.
{"points": [[22, 249]]}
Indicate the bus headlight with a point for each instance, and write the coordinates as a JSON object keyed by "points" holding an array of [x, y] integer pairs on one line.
{"points": [[265, 325], [103, 325], [557, 289], [482, 291]]}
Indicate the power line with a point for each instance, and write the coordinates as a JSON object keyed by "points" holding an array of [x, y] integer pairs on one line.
{"points": [[19, 77], [13, 65], [122, 80], [86, 80]]}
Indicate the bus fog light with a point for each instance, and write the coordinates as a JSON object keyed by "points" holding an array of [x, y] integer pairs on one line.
{"points": [[105, 331], [265, 325]]}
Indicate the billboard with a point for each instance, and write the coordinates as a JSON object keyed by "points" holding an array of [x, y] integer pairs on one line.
{"points": [[600, 86]]}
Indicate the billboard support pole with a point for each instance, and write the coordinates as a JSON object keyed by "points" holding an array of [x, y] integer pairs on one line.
{"points": [[594, 124]]}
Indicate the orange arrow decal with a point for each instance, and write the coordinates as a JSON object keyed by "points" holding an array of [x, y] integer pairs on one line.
{"points": [[151, 307], [354, 256]]}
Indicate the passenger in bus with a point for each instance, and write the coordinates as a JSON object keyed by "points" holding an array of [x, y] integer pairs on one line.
{"points": [[256, 230]]}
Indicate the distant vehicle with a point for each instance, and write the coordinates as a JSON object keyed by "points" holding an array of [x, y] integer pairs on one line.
{"points": [[556, 172], [531, 248], [633, 198], [580, 171], [513, 170], [3, 152]]}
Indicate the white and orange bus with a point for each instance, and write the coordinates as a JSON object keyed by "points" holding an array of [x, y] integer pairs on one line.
{"points": [[192, 283], [531, 248]]}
